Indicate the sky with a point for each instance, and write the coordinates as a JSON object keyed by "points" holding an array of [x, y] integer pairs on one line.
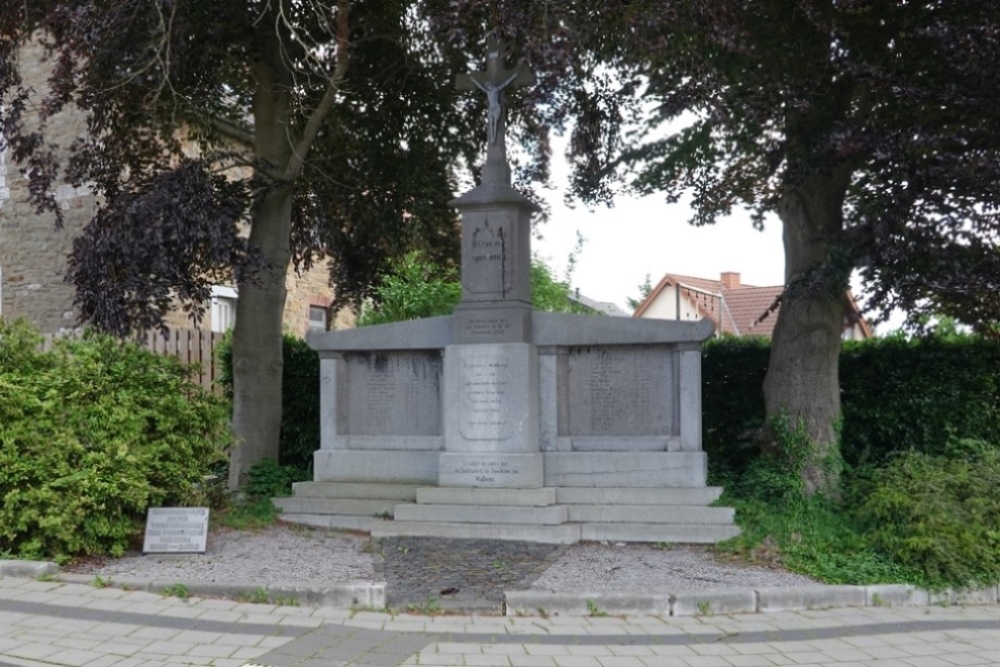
{"points": [[647, 236]]}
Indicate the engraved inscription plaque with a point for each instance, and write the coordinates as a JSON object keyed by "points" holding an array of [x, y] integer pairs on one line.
{"points": [[176, 530], [486, 470], [622, 390], [485, 395], [394, 393], [488, 255]]}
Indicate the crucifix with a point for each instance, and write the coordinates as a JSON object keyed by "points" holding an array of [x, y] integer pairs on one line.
{"points": [[493, 82]]}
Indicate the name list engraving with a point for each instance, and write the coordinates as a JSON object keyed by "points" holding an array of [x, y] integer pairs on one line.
{"points": [[623, 391], [395, 393], [485, 384]]}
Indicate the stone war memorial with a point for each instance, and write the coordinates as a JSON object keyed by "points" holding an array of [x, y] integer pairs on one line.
{"points": [[502, 422]]}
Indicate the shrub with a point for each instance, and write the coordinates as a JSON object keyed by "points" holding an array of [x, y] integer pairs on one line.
{"points": [[268, 479], [897, 394], [936, 515], [732, 371], [91, 435], [901, 394]]}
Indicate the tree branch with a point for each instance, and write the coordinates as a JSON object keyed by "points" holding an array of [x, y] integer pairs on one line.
{"points": [[301, 149]]}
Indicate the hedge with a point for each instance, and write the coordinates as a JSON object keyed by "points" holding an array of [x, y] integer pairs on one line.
{"points": [[897, 395]]}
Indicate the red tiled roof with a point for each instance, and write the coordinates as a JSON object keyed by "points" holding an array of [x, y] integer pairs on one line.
{"points": [[740, 311], [747, 305]]}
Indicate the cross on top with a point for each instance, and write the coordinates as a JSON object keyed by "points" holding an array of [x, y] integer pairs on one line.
{"points": [[493, 82]]}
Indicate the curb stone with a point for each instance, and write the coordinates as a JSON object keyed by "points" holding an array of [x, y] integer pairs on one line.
{"points": [[340, 595], [737, 600], [366, 595], [27, 568]]}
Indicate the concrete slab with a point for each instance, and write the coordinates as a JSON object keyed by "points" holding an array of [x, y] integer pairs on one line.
{"points": [[341, 522], [657, 532], [987, 595], [27, 568], [616, 469], [672, 514], [360, 491], [493, 497], [896, 595], [809, 597], [594, 604], [714, 601], [564, 534], [637, 496], [551, 515], [357, 507]]}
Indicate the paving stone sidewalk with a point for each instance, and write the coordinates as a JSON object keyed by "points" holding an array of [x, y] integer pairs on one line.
{"points": [[52, 623]]}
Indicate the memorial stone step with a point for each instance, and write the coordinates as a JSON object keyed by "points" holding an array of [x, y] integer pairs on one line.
{"points": [[332, 521], [544, 534], [578, 495], [672, 514], [356, 490], [444, 495], [344, 506], [657, 532], [551, 515]]}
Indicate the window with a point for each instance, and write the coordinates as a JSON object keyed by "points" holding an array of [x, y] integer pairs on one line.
{"points": [[317, 318], [223, 308]]}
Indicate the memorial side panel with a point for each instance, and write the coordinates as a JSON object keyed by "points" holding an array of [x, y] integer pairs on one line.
{"points": [[394, 393], [488, 255], [621, 391], [485, 393]]}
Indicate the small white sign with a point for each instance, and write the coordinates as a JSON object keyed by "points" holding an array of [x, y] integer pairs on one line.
{"points": [[176, 530]]}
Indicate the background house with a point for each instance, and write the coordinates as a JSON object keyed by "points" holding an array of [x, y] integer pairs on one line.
{"points": [[735, 308], [33, 252]]}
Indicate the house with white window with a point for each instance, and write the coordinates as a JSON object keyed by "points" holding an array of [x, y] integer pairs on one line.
{"points": [[734, 308]]}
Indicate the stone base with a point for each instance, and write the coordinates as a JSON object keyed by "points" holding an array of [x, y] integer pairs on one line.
{"points": [[498, 470], [626, 469], [390, 467], [564, 534]]}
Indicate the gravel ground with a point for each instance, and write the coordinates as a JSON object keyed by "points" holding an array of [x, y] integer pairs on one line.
{"points": [[451, 574], [281, 553], [644, 568]]}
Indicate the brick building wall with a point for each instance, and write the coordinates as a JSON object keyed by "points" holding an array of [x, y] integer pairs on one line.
{"points": [[32, 251], [34, 254]]}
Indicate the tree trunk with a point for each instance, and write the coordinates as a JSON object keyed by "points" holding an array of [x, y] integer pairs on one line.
{"points": [[802, 382], [257, 345]]}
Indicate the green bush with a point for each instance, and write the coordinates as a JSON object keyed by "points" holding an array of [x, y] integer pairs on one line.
{"points": [[938, 516], [91, 435], [268, 479], [732, 371]]}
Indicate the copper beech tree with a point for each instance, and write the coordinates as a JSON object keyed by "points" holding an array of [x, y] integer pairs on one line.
{"points": [[869, 127], [325, 129]]}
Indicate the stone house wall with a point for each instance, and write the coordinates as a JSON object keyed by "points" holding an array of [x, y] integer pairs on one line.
{"points": [[34, 253]]}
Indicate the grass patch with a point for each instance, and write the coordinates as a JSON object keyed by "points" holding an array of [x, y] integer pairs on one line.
{"points": [[251, 514], [814, 537], [929, 521]]}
